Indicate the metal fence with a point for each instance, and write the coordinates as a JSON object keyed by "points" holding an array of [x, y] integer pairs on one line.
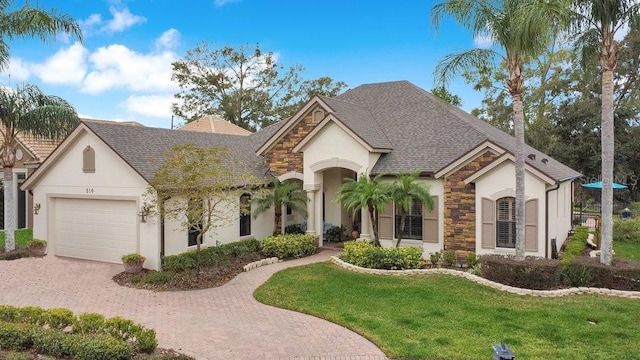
{"points": [[586, 214]]}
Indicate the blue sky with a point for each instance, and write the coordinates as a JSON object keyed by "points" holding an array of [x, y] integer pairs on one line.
{"points": [[122, 70]]}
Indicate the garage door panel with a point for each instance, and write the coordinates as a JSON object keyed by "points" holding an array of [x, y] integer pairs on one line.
{"points": [[102, 230]]}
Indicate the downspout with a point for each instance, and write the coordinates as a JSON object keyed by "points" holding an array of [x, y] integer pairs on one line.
{"points": [[162, 235], [546, 218]]}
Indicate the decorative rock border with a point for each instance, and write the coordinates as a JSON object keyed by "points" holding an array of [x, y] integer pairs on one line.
{"points": [[491, 284], [257, 264]]}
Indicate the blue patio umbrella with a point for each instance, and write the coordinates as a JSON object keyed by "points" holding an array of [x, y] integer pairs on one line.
{"points": [[598, 185]]}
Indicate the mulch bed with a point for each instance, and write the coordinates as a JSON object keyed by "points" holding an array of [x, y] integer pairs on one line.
{"points": [[163, 354], [204, 278]]}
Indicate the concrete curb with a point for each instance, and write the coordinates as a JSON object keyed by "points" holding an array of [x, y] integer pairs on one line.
{"points": [[491, 284]]}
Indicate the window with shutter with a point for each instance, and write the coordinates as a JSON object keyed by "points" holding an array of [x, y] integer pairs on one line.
{"points": [[506, 222], [412, 223], [431, 224], [488, 224], [385, 222], [531, 225]]}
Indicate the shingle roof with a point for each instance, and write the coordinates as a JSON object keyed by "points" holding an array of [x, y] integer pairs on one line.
{"points": [[360, 120], [143, 148], [427, 134], [214, 124]]}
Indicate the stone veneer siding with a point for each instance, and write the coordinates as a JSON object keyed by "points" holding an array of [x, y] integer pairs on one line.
{"points": [[460, 205], [280, 157]]}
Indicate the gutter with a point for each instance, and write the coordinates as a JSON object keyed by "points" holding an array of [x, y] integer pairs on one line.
{"points": [[546, 217]]}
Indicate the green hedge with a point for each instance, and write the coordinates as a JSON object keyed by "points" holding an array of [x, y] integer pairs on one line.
{"points": [[86, 332], [548, 274], [576, 245], [363, 254], [210, 256], [289, 246]]}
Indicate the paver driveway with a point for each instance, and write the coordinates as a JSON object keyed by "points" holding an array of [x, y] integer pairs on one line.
{"points": [[220, 323]]}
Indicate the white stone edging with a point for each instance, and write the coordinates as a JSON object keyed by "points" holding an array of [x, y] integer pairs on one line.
{"points": [[491, 284], [257, 264]]}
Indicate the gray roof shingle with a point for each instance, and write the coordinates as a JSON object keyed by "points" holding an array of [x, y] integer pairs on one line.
{"points": [[143, 148], [427, 134]]}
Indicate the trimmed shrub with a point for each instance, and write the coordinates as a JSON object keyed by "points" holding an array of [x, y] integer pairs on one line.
{"points": [[537, 274], [472, 260], [60, 318], [59, 333], [435, 258], [449, 258], [289, 246], [293, 229], [210, 256], [626, 230], [89, 323], [366, 255], [576, 245]]}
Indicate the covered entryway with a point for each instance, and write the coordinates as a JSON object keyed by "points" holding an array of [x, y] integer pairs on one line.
{"points": [[95, 229]]}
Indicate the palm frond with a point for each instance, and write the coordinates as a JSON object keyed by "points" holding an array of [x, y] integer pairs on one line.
{"points": [[454, 64]]}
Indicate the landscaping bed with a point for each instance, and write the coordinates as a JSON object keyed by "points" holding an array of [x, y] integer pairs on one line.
{"points": [[190, 279]]}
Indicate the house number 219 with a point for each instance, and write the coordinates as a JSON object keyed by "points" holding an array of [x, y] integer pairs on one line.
{"points": [[89, 190]]}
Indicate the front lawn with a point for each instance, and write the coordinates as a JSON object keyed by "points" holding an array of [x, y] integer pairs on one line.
{"points": [[444, 317], [22, 236], [627, 250]]}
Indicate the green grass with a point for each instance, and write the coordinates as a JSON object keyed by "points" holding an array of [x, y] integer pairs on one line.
{"points": [[444, 317], [22, 236], [627, 250]]}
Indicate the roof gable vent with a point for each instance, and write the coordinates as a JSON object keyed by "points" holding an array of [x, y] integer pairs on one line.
{"points": [[318, 115]]}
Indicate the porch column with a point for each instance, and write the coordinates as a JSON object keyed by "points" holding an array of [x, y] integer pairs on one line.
{"points": [[311, 190]]}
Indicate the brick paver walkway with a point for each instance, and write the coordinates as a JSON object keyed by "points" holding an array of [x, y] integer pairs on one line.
{"points": [[220, 323]]}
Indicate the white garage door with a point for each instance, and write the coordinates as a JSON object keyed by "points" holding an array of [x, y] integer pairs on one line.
{"points": [[101, 230]]}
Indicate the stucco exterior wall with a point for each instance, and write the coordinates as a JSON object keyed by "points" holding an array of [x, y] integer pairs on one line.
{"points": [[501, 182], [176, 235], [560, 213], [113, 179], [332, 148]]}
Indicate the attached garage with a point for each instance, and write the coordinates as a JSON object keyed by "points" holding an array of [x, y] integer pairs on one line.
{"points": [[95, 229]]}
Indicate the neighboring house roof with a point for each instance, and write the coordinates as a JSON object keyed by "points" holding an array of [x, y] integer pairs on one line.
{"points": [[40, 148], [425, 133], [143, 148], [214, 124]]}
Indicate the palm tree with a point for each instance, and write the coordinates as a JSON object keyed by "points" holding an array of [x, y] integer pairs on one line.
{"points": [[403, 192], [282, 194], [365, 193], [30, 22], [600, 20], [521, 30], [29, 111]]}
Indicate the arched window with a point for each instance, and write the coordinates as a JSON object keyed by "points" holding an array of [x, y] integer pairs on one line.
{"points": [[245, 215], [506, 222]]}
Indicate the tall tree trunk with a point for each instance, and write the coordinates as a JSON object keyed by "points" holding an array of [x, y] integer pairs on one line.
{"points": [[607, 167], [277, 226], [374, 224], [608, 59], [516, 88], [9, 210], [402, 223]]}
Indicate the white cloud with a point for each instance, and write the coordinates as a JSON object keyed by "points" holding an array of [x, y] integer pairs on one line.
{"points": [[118, 66], [17, 70], [158, 106], [169, 39], [220, 3], [67, 66], [122, 20], [483, 41]]}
